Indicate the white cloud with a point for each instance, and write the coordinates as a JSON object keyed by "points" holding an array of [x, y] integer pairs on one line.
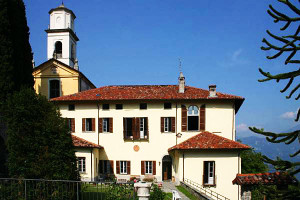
{"points": [[235, 55], [242, 127], [288, 115]]}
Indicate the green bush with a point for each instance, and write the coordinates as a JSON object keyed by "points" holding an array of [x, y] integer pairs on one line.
{"points": [[157, 193]]}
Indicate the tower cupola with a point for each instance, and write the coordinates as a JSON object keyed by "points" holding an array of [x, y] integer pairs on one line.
{"points": [[61, 36]]}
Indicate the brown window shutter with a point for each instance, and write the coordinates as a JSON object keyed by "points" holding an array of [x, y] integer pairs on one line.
{"points": [[183, 118], [111, 125], [118, 167], [143, 167], [93, 124], [162, 121], [128, 167], [154, 168], [135, 128], [124, 131], [83, 124], [214, 173], [111, 166], [202, 118], [73, 125], [100, 126], [147, 127], [173, 124]]}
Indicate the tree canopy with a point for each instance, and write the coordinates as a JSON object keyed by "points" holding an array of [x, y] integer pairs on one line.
{"points": [[39, 142]]}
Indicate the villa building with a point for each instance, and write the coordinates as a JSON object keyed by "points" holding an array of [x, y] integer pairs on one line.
{"points": [[160, 132]]}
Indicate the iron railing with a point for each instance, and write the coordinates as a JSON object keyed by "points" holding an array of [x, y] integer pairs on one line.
{"points": [[203, 190], [32, 189]]}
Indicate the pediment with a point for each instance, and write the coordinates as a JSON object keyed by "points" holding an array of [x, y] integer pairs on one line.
{"points": [[54, 68]]}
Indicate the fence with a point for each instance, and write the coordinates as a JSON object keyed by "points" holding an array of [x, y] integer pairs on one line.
{"points": [[203, 190], [32, 189]]}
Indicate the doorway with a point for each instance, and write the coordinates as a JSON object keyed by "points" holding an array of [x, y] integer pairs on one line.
{"points": [[167, 168]]}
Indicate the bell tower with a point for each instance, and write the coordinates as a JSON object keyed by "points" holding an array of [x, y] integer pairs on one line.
{"points": [[61, 37]]}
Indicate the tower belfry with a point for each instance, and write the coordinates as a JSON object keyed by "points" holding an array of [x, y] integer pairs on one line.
{"points": [[61, 37]]}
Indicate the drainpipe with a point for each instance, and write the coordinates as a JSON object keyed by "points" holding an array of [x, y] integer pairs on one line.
{"points": [[176, 124], [183, 167], [98, 122], [92, 164], [233, 113], [238, 173]]}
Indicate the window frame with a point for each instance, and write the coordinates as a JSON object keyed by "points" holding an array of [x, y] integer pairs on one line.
{"points": [[71, 107], [143, 106], [193, 115], [81, 164], [167, 124], [105, 121], [148, 167], [104, 106], [86, 125], [167, 107], [209, 171], [49, 87], [120, 106], [123, 167]]}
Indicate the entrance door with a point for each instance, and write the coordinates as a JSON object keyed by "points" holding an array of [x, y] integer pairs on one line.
{"points": [[167, 168]]}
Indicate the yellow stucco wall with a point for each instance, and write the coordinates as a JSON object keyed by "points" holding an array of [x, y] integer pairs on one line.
{"points": [[69, 79]]}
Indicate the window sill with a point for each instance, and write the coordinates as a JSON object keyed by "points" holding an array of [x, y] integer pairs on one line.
{"points": [[209, 185], [88, 131], [134, 140], [169, 132]]}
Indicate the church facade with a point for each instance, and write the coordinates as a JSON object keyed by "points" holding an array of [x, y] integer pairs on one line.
{"points": [[155, 132]]}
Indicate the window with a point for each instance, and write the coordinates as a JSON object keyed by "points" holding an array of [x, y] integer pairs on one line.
{"points": [[143, 106], [81, 164], [123, 167], [167, 124], [88, 124], [193, 118], [167, 105], [105, 166], [209, 173], [54, 88], [148, 165], [58, 50], [105, 125], [135, 128], [105, 107], [119, 106], [71, 107], [71, 124]]}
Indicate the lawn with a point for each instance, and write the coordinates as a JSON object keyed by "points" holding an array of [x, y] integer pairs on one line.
{"points": [[186, 193]]}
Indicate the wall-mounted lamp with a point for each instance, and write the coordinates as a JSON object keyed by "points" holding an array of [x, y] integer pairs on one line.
{"points": [[178, 135], [159, 163]]}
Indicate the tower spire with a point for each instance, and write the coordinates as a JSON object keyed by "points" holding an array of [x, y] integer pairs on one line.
{"points": [[181, 79]]}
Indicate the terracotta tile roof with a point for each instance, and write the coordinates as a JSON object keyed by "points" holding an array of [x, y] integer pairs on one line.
{"points": [[207, 140], [145, 92], [276, 178], [79, 142]]}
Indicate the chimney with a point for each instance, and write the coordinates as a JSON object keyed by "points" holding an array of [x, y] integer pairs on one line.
{"points": [[212, 91], [181, 83], [76, 65], [33, 63]]}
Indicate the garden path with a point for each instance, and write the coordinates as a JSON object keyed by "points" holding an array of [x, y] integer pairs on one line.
{"points": [[168, 186]]}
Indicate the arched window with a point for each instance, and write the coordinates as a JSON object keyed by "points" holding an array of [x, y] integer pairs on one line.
{"points": [[58, 49], [193, 118]]}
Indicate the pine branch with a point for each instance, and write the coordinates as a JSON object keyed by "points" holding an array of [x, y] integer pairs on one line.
{"points": [[287, 85], [278, 76], [293, 91], [291, 6]]}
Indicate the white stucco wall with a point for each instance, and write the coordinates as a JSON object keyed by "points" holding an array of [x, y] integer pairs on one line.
{"points": [[90, 155], [218, 119], [227, 165]]}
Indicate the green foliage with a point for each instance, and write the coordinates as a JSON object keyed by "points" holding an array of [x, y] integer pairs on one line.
{"points": [[252, 162], [39, 142], [15, 50], [186, 193], [157, 193], [288, 44]]}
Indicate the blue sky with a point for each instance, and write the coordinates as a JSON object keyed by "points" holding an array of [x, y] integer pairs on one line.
{"points": [[127, 42]]}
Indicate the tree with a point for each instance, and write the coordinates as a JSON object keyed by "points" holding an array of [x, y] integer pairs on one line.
{"points": [[252, 162], [286, 44], [39, 142], [15, 58], [15, 50]]}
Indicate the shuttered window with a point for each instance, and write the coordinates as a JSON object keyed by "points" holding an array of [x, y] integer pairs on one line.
{"points": [[209, 173], [135, 128], [202, 118], [54, 88], [148, 167], [88, 124], [123, 167], [106, 166], [183, 118], [81, 164], [167, 124], [71, 124], [105, 125]]}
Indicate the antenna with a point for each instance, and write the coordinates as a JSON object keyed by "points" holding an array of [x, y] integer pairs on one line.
{"points": [[62, 2], [180, 68]]}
